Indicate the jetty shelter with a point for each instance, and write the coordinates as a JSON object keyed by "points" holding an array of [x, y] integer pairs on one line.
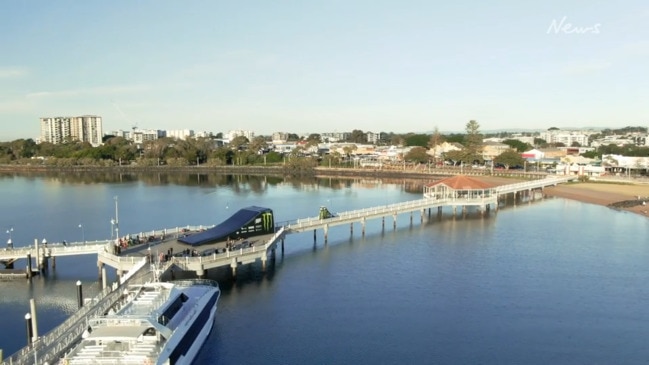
{"points": [[247, 222], [459, 186]]}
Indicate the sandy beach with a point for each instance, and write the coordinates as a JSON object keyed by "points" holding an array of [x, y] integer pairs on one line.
{"points": [[607, 194], [628, 196]]}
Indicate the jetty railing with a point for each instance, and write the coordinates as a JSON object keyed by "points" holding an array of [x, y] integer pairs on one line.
{"points": [[533, 184], [93, 247], [390, 209]]}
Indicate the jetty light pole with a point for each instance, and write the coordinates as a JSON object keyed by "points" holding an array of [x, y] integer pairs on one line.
{"points": [[112, 228], [83, 234], [116, 218], [10, 243]]}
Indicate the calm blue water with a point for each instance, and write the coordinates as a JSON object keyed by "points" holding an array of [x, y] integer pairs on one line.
{"points": [[555, 281]]}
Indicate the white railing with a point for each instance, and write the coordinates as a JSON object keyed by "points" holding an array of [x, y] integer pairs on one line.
{"points": [[92, 247], [397, 208], [526, 185]]}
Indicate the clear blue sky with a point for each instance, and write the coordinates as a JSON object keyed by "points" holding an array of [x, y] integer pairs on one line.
{"points": [[317, 66]]}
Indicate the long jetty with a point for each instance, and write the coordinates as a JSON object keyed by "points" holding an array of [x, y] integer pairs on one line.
{"points": [[131, 264]]}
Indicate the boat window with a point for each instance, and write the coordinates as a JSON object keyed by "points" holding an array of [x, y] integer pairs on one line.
{"points": [[172, 309]]}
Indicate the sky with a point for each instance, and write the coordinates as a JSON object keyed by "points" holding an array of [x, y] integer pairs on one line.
{"points": [[324, 66]]}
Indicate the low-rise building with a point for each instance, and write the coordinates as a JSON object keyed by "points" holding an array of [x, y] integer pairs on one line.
{"points": [[492, 149]]}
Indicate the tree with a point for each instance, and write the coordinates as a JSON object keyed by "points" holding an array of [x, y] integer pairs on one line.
{"points": [[238, 142], [125, 153], [348, 149], [273, 157], [312, 141], [455, 156], [223, 155], [540, 142], [509, 158], [420, 140], [517, 145], [23, 148], [156, 149], [455, 138], [436, 139], [357, 136], [203, 147], [396, 140], [590, 154], [472, 143], [417, 154], [314, 137], [258, 144]]}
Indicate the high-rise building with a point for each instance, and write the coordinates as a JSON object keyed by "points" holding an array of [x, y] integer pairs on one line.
{"points": [[55, 130], [85, 128]]}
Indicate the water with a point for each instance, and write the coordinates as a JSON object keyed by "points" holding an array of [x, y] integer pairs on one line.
{"points": [[555, 281]]}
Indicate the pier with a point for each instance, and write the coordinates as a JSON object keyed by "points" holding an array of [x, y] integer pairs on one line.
{"points": [[133, 265]]}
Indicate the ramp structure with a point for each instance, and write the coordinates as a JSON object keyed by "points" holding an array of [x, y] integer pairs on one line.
{"points": [[247, 222]]}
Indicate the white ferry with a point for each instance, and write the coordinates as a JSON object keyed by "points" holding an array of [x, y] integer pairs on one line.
{"points": [[162, 323]]}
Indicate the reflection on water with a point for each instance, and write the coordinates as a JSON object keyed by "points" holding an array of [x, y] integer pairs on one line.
{"points": [[254, 183]]}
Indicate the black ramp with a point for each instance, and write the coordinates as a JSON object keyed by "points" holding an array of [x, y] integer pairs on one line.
{"points": [[250, 221]]}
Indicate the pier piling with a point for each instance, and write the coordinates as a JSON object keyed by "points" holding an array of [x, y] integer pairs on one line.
{"points": [[325, 229], [29, 265], [103, 277], [79, 294], [28, 322], [32, 308]]}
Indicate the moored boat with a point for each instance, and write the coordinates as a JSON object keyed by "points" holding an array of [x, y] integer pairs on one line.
{"points": [[163, 323]]}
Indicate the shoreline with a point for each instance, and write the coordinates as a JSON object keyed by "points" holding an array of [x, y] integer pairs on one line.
{"points": [[623, 195], [626, 196]]}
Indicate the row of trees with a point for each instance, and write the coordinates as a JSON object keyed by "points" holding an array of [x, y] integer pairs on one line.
{"points": [[241, 151], [471, 151]]}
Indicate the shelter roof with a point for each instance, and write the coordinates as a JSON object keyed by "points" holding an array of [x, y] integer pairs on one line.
{"points": [[463, 182]]}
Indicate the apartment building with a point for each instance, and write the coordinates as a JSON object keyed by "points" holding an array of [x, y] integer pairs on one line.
{"points": [[565, 137], [238, 133], [181, 133], [85, 128]]}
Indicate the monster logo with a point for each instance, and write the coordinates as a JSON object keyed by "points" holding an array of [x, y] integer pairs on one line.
{"points": [[267, 221]]}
